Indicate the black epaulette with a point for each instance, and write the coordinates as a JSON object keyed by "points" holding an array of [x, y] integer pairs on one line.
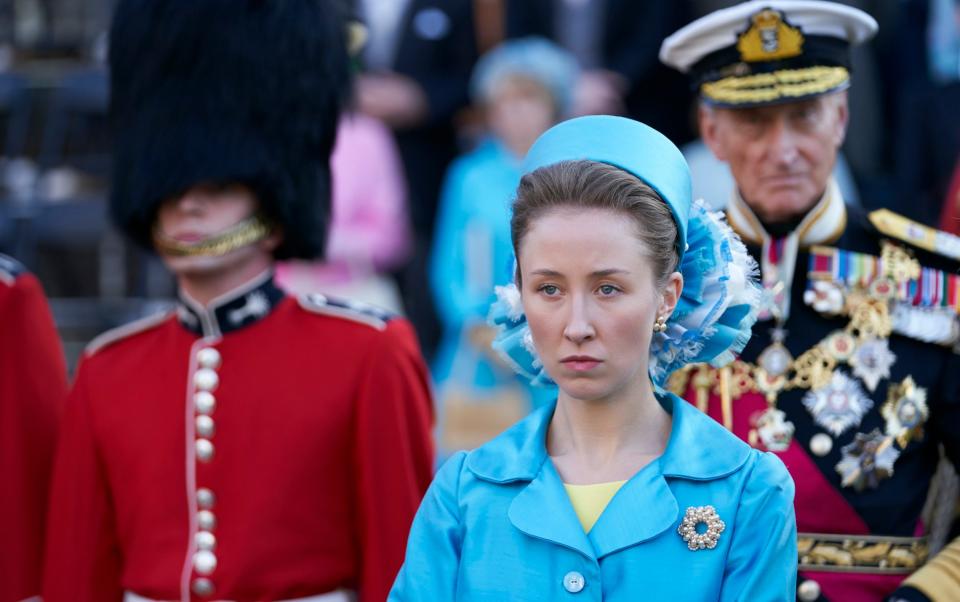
{"points": [[10, 268], [357, 311]]}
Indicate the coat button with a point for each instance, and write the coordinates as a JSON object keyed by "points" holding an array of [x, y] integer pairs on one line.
{"points": [[204, 449], [205, 498], [205, 426], [205, 540], [206, 520], [202, 586], [808, 590], [208, 357], [204, 562], [205, 379], [205, 402], [821, 444], [573, 582]]}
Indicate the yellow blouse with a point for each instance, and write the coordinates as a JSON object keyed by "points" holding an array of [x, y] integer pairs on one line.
{"points": [[589, 501]]}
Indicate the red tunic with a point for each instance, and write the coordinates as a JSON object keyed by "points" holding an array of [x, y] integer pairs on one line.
{"points": [[950, 213], [296, 473], [33, 385]]}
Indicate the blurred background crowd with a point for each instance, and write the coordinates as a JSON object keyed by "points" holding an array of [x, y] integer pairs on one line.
{"points": [[449, 94]]}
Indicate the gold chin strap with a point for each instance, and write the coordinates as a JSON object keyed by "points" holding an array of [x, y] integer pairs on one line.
{"points": [[247, 232]]}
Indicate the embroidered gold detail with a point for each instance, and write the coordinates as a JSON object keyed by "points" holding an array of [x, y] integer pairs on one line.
{"points": [[767, 87], [869, 318], [861, 553], [897, 263], [769, 38]]}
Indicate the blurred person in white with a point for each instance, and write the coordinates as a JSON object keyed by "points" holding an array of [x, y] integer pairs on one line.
{"points": [[524, 86], [370, 232]]}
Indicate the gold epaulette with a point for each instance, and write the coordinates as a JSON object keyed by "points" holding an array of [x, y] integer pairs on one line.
{"points": [[914, 233], [939, 579]]}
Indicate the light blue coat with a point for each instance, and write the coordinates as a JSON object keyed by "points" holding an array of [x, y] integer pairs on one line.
{"points": [[496, 524], [471, 254]]}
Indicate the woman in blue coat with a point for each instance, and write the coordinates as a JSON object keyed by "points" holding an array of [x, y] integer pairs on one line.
{"points": [[619, 490]]}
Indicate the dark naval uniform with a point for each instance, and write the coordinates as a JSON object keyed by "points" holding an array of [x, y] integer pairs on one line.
{"points": [[858, 392], [851, 375], [33, 385], [263, 448]]}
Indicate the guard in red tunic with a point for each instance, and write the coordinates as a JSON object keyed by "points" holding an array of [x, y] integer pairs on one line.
{"points": [[33, 385], [249, 446]]}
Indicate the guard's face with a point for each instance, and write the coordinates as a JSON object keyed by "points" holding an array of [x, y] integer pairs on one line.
{"points": [[781, 155], [205, 211], [590, 299]]}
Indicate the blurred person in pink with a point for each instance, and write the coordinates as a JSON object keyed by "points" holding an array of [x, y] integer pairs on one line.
{"points": [[370, 232], [415, 70]]}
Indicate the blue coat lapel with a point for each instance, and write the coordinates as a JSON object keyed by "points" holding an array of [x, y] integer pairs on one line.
{"points": [[699, 449], [543, 510], [644, 508]]}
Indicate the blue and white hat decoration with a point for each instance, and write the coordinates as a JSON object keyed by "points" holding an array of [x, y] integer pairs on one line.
{"points": [[718, 305]]}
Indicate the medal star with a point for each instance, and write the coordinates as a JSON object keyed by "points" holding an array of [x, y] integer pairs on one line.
{"points": [[774, 430], [867, 460], [872, 361], [905, 411], [838, 405]]}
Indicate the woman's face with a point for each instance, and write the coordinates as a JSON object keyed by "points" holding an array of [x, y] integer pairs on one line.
{"points": [[590, 297]]}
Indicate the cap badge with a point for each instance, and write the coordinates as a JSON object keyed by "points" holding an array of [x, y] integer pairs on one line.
{"points": [[769, 38]]}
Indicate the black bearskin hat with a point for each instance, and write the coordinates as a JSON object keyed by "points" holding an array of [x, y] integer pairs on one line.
{"points": [[219, 91]]}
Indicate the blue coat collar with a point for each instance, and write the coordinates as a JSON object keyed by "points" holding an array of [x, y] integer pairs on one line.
{"points": [[643, 508], [520, 452]]}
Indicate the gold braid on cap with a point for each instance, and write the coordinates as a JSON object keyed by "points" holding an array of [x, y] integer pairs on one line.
{"points": [[247, 232], [766, 87]]}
